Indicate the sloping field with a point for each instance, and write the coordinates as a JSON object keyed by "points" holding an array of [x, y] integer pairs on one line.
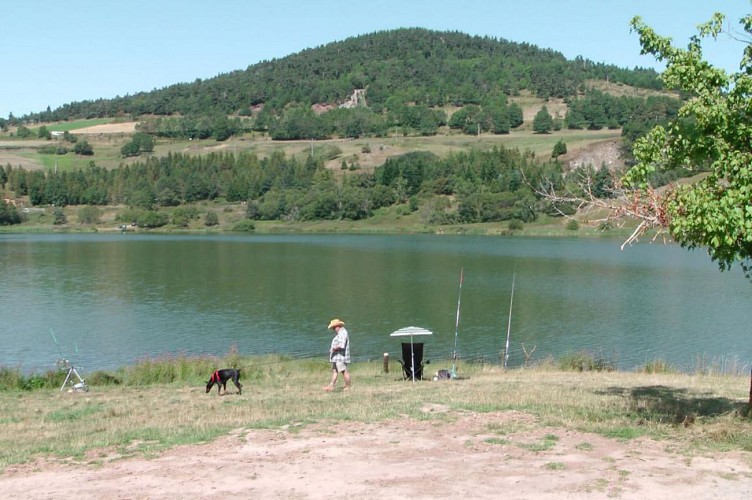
{"points": [[108, 128]]}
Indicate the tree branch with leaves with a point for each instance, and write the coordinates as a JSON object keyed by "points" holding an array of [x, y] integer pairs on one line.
{"points": [[711, 135], [713, 132]]}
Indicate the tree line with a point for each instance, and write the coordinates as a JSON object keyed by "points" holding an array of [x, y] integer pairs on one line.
{"points": [[495, 114], [464, 187]]}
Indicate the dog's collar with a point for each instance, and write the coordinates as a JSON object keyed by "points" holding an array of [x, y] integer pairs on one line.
{"points": [[215, 377]]}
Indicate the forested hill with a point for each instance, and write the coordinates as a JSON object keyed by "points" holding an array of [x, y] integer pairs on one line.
{"points": [[412, 65]]}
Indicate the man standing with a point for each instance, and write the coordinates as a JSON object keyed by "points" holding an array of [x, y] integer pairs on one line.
{"points": [[339, 354]]}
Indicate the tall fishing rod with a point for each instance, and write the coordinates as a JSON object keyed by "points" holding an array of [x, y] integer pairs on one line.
{"points": [[56, 344], [457, 326], [509, 323]]}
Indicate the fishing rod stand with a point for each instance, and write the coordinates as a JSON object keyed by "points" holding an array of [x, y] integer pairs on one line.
{"points": [[68, 367]]}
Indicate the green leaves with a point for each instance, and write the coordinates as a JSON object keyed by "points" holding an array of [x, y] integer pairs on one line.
{"points": [[712, 131]]}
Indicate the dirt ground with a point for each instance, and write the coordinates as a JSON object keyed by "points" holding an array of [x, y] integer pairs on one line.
{"points": [[466, 455], [109, 128]]}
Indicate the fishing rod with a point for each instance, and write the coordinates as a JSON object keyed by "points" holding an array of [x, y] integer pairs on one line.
{"points": [[457, 327], [509, 323], [56, 344]]}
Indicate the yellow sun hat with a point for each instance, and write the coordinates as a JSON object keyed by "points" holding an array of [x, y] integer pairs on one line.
{"points": [[334, 323]]}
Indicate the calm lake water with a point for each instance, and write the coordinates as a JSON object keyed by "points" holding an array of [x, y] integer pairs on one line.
{"points": [[112, 299]]}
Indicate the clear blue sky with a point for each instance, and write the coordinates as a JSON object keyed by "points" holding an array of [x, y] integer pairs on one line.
{"points": [[56, 52]]}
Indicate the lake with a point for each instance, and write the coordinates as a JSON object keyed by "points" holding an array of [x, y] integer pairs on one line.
{"points": [[113, 299]]}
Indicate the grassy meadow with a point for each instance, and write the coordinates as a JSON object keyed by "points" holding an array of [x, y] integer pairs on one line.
{"points": [[107, 147], [160, 403]]}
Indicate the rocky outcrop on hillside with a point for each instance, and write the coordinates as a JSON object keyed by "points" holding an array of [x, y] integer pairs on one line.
{"points": [[598, 154], [358, 98]]}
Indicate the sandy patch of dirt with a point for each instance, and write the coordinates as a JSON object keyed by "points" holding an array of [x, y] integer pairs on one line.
{"points": [[18, 161], [465, 455], [556, 108], [108, 128]]}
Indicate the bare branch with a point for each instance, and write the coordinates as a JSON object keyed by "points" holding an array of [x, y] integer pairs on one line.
{"points": [[646, 206]]}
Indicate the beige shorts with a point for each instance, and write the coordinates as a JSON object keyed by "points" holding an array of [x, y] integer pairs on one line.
{"points": [[340, 366]]}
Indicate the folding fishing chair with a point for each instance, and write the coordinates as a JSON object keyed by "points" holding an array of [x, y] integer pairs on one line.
{"points": [[412, 360]]}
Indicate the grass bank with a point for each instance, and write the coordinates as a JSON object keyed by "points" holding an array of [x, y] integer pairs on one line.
{"points": [[230, 216], [145, 409]]}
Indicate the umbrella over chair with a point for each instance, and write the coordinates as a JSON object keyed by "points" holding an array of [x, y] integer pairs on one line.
{"points": [[410, 331]]}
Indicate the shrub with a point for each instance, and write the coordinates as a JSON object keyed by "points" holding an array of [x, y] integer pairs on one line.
{"points": [[51, 149], [89, 215], [83, 148], [9, 214], [58, 216], [152, 219], [232, 358], [245, 225], [572, 225], [10, 379], [130, 215], [103, 378], [46, 380], [515, 225], [182, 216], [560, 148], [583, 361], [413, 203], [211, 219], [180, 220], [140, 143]]}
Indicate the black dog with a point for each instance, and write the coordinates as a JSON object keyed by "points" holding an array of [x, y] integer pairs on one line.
{"points": [[220, 377]]}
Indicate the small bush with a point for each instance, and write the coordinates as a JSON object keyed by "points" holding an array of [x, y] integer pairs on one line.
{"points": [[10, 379], [129, 215], [51, 149], [103, 378], [58, 217], [211, 219], [583, 361], [560, 148], [244, 225], [572, 225], [232, 358], [89, 215], [152, 219], [515, 225], [83, 148], [46, 380]]}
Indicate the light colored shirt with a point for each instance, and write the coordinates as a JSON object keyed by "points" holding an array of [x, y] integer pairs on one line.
{"points": [[340, 341]]}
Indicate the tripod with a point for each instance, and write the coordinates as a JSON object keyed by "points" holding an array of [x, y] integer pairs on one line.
{"points": [[66, 365]]}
